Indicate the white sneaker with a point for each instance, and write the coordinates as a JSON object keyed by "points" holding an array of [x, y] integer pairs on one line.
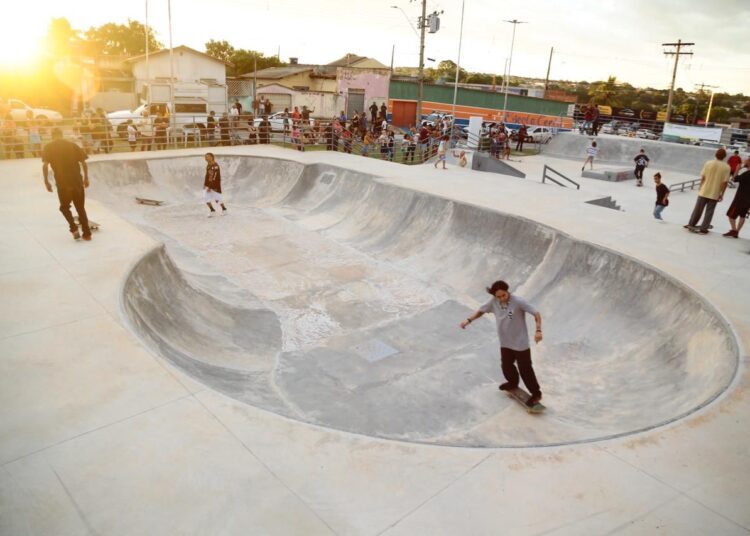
{"points": [[211, 214], [224, 212]]}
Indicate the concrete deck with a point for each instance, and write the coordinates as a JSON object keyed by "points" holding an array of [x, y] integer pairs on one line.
{"points": [[107, 430]]}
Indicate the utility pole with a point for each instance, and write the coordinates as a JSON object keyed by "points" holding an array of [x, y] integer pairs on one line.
{"points": [[515, 23], [420, 76], [549, 66], [676, 53], [701, 89]]}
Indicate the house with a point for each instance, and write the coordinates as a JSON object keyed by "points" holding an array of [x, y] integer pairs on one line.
{"points": [[195, 76], [350, 83]]}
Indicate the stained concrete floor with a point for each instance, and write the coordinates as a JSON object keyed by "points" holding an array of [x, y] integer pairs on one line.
{"points": [[103, 433]]}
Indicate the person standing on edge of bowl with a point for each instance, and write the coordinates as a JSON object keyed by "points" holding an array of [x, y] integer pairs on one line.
{"points": [[714, 180], [740, 206], [510, 316], [212, 185]]}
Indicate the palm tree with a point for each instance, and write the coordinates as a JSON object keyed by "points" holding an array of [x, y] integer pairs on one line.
{"points": [[605, 92]]}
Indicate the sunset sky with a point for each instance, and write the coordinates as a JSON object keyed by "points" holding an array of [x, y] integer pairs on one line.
{"points": [[592, 39]]}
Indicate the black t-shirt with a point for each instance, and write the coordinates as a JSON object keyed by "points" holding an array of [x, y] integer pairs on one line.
{"points": [[641, 160], [213, 177], [743, 188], [65, 157], [661, 192]]}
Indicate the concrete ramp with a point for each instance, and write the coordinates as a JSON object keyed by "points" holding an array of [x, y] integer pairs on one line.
{"points": [[620, 150], [332, 298], [484, 162]]}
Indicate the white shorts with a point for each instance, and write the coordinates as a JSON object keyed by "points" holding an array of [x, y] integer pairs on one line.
{"points": [[210, 195]]}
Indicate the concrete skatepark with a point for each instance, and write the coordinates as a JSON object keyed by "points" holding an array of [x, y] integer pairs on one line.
{"points": [[296, 366]]}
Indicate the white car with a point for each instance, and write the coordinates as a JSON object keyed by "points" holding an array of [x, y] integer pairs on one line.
{"points": [[538, 134], [276, 120], [646, 134], [19, 111]]}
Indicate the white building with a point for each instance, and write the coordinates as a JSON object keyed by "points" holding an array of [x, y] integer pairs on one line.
{"points": [[195, 76]]}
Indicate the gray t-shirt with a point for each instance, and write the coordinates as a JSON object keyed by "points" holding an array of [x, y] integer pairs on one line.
{"points": [[511, 321]]}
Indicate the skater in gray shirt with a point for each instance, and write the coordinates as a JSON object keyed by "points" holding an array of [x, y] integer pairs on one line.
{"points": [[510, 315]]}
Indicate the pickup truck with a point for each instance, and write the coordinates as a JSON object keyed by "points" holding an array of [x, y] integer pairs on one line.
{"points": [[188, 115], [19, 110]]}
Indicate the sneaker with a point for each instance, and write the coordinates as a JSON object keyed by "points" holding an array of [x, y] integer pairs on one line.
{"points": [[507, 386], [87, 237], [224, 212], [702, 231], [730, 234], [211, 214], [534, 400], [76, 235]]}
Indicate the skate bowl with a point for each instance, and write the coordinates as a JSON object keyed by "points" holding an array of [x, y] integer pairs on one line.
{"points": [[620, 151], [330, 297]]}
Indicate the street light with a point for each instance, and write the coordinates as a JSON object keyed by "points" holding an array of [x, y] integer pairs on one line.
{"points": [[458, 63], [407, 20], [515, 23]]}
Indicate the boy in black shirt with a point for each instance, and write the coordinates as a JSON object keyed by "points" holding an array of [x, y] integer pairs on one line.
{"points": [[641, 163], [212, 185], [662, 197]]}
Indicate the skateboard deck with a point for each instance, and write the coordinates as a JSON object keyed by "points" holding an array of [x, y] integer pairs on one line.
{"points": [[92, 224], [144, 201], [522, 396]]}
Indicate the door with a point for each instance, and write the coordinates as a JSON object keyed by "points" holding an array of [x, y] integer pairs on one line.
{"points": [[279, 101], [404, 113], [355, 102]]}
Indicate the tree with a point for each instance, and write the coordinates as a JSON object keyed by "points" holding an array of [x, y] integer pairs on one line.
{"points": [[605, 92], [221, 50], [446, 70], [121, 39], [61, 38], [242, 61]]}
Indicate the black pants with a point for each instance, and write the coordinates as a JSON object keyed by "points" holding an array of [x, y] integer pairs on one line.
{"points": [[508, 360], [519, 144], [639, 173], [701, 204], [74, 194]]}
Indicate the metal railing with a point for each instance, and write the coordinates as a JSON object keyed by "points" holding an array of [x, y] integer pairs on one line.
{"points": [[547, 177], [682, 185], [98, 134]]}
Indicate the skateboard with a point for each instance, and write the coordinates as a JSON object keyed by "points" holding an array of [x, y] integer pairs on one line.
{"points": [[522, 396], [92, 224], [152, 202]]}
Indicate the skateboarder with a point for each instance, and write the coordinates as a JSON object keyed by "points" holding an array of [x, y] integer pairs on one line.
{"points": [[641, 163], [714, 180], [67, 159], [510, 317], [212, 185]]}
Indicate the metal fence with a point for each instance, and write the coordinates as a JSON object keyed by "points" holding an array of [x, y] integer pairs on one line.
{"points": [[98, 134]]}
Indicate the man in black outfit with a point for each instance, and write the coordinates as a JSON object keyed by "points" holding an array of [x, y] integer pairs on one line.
{"points": [[67, 159], [373, 113]]}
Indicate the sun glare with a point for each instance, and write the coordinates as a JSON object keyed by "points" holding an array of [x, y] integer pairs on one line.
{"points": [[19, 45]]}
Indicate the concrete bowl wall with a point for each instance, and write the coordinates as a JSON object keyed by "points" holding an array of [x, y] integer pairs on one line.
{"points": [[626, 348]]}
